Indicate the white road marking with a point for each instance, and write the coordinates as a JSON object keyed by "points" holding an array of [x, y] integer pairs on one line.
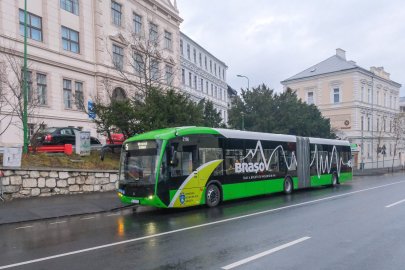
{"points": [[86, 218], [388, 206], [230, 266], [57, 222], [113, 215], [190, 228], [24, 227]]}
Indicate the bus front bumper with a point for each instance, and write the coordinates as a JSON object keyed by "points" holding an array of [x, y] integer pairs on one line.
{"points": [[150, 201]]}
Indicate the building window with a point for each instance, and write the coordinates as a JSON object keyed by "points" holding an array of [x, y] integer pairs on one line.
{"points": [[116, 13], [118, 57], [384, 121], [168, 40], [223, 74], [310, 98], [336, 95], [41, 88], [34, 26], [385, 99], [154, 69], [169, 75], [70, 40], [390, 101], [378, 124], [390, 125], [29, 84], [362, 123], [79, 97], [195, 82], [206, 87], [67, 93], [369, 95], [153, 34], [211, 66], [219, 72], [215, 69], [202, 85], [368, 124], [190, 83], [368, 150], [220, 93], [200, 60], [70, 5], [188, 51], [395, 102], [215, 92], [378, 97], [206, 63], [137, 24], [195, 56], [212, 89], [183, 76], [362, 94], [138, 64], [119, 94], [181, 46]]}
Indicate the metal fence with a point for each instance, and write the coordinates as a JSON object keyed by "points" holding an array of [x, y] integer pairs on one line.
{"points": [[96, 147]]}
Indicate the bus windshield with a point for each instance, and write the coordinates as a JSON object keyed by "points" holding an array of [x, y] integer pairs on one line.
{"points": [[139, 161]]}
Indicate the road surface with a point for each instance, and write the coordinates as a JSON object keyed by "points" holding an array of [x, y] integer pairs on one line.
{"points": [[357, 225]]}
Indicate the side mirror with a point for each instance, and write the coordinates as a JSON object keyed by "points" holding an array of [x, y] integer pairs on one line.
{"points": [[173, 158]]}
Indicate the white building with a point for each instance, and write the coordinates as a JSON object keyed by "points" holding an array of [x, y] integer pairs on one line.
{"points": [[69, 44], [203, 75]]}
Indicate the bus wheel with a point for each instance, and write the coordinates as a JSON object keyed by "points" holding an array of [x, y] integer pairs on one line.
{"points": [[212, 196], [334, 180], [288, 185]]}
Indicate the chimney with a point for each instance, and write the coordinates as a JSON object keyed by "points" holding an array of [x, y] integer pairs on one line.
{"points": [[341, 53]]}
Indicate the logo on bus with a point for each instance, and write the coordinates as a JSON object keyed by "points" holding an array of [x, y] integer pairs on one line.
{"points": [[182, 198]]}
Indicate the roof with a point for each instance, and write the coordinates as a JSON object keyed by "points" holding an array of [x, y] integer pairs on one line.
{"points": [[170, 133], [402, 99], [332, 64], [232, 91]]}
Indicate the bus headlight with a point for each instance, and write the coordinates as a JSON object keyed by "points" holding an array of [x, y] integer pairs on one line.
{"points": [[150, 197]]}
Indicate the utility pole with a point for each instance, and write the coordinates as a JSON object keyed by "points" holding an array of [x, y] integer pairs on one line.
{"points": [[25, 118]]}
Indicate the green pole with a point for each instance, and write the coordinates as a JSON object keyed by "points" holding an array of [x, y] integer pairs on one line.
{"points": [[25, 120]]}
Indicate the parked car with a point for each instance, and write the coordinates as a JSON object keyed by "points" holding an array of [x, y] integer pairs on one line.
{"points": [[116, 139], [60, 136]]}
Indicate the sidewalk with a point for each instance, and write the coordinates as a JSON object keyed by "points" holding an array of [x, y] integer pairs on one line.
{"points": [[376, 171], [37, 208]]}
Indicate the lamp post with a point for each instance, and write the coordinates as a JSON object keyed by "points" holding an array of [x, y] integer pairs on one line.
{"points": [[25, 118], [244, 77], [243, 121]]}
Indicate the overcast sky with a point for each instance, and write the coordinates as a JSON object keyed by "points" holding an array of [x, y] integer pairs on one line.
{"points": [[270, 41]]}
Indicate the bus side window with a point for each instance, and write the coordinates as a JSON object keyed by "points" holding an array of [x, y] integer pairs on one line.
{"points": [[232, 156]]}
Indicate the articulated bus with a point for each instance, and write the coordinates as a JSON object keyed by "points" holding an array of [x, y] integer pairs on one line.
{"points": [[188, 166]]}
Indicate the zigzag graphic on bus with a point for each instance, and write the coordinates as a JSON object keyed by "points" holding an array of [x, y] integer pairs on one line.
{"points": [[321, 165]]}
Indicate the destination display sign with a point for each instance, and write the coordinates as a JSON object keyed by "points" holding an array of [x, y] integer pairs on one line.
{"points": [[140, 145]]}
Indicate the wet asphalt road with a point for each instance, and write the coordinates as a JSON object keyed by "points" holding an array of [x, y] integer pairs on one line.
{"points": [[347, 227]]}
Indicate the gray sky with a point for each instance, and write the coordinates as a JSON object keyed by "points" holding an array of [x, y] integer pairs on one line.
{"points": [[270, 41]]}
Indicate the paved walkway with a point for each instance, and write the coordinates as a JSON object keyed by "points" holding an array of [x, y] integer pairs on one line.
{"points": [[376, 171], [37, 208]]}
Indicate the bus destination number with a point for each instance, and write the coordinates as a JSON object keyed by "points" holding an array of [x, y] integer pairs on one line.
{"points": [[186, 139]]}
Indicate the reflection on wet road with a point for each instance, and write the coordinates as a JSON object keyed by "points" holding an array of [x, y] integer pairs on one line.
{"points": [[341, 220]]}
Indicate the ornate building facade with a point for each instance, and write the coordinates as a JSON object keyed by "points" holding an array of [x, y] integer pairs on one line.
{"points": [[361, 105], [202, 75], [73, 45]]}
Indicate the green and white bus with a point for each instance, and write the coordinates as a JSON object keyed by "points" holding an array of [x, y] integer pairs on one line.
{"points": [[188, 166]]}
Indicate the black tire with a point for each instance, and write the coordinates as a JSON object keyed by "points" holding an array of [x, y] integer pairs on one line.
{"points": [[335, 180], [212, 196], [288, 185]]}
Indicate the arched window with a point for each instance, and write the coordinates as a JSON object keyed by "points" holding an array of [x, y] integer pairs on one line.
{"points": [[119, 94]]}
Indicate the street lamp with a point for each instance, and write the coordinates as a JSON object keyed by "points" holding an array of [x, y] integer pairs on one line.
{"points": [[243, 120], [244, 77]]}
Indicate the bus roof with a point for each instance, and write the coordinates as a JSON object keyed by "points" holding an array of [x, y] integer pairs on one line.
{"points": [[169, 133]]}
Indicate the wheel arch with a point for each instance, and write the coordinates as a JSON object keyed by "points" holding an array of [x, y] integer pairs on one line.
{"points": [[218, 184]]}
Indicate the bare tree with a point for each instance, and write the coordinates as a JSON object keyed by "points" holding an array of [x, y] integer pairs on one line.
{"points": [[12, 94], [141, 60], [339, 133], [380, 135], [397, 134]]}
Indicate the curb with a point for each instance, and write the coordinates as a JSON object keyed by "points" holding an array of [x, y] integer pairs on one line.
{"points": [[73, 215]]}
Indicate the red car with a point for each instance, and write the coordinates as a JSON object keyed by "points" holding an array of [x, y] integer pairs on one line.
{"points": [[116, 139]]}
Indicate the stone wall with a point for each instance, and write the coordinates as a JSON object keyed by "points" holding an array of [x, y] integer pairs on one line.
{"points": [[24, 183]]}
